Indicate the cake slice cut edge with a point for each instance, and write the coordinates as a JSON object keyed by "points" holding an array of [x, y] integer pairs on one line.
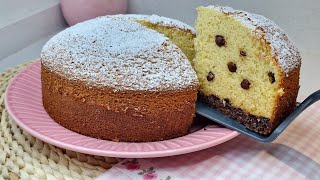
{"points": [[247, 67]]}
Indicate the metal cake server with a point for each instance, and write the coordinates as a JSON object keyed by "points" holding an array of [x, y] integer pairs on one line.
{"points": [[216, 116]]}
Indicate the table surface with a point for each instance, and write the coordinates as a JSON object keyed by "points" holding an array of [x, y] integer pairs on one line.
{"points": [[294, 155]]}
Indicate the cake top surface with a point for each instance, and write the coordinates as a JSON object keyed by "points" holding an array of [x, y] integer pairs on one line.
{"points": [[282, 47], [120, 54], [159, 20]]}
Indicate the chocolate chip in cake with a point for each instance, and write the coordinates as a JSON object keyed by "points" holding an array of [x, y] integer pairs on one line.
{"points": [[220, 41], [232, 67], [243, 53], [245, 84], [271, 77], [210, 76]]}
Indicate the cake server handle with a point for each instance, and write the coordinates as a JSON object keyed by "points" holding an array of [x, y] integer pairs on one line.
{"points": [[311, 99], [314, 97]]}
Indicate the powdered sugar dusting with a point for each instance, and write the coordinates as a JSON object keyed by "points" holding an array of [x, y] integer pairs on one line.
{"points": [[158, 20], [282, 47], [120, 54]]}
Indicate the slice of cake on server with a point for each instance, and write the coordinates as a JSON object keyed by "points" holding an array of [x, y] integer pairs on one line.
{"points": [[247, 67]]}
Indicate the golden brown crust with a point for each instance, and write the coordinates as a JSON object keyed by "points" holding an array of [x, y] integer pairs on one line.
{"points": [[133, 116], [287, 102]]}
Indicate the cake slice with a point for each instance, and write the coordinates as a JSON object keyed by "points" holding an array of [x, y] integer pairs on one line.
{"points": [[247, 67]]}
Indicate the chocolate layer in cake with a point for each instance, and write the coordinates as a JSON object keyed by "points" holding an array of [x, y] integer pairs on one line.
{"points": [[258, 124]]}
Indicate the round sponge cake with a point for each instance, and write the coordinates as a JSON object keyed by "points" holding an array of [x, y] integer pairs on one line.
{"points": [[116, 79]]}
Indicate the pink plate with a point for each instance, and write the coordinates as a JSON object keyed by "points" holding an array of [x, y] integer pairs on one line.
{"points": [[23, 102]]}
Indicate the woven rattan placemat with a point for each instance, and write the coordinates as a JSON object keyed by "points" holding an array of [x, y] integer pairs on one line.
{"points": [[25, 157]]}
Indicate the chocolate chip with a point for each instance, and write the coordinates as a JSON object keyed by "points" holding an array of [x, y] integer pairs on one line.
{"points": [[271, 77], [232, 67], [245, 84], [243, 53], [210, 76], [220, 41]]}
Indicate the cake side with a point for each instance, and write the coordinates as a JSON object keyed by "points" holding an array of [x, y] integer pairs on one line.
{"points": [[157, 20], [178, 32], [184, 39], [240, 69], [133, 116]]}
